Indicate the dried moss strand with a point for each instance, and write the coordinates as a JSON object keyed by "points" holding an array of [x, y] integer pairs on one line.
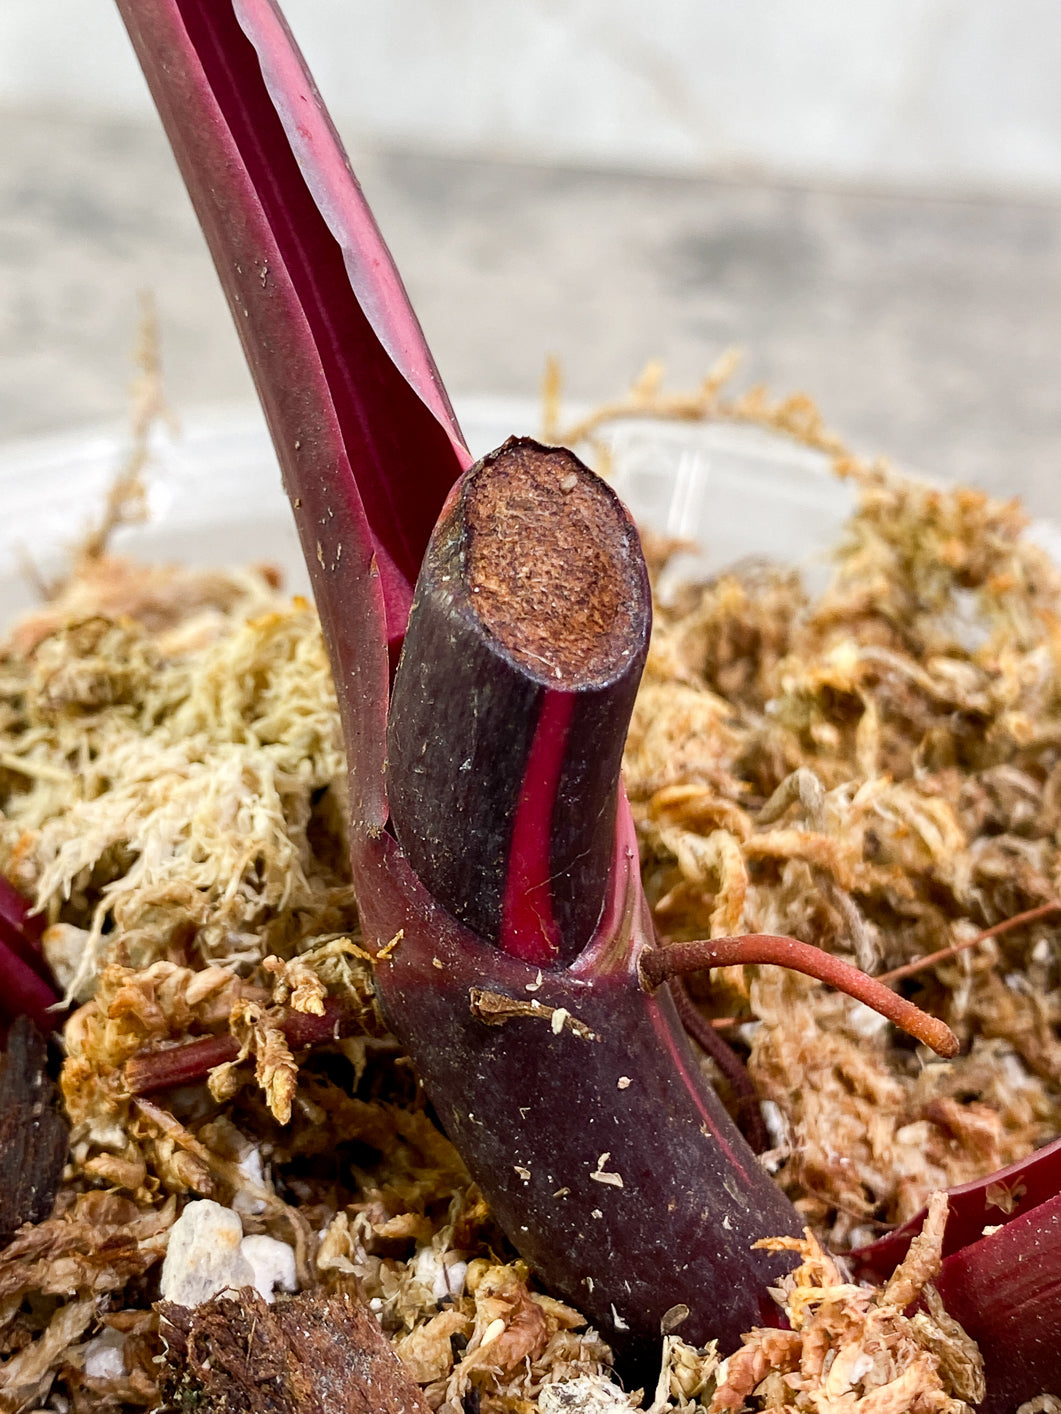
{"points": [[919, 964], [660, 964]]}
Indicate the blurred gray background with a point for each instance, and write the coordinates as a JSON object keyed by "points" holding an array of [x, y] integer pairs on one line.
{"points": [[864, 197]]}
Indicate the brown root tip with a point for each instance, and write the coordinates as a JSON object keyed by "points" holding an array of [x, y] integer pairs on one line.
{"points": [[658, 965]]}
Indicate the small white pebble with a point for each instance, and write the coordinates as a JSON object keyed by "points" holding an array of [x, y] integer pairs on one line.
{"points": [[250, 1167], [624, 1082], [105, 1356], [273, 1264], [442, 1273], [455, 1275], [587, 1394], [203, 1256]]}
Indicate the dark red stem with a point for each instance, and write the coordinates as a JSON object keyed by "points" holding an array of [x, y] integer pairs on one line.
{"points": [[512, 699], [368, 445], [192, 1061], [658, 965], [749, 1111]]}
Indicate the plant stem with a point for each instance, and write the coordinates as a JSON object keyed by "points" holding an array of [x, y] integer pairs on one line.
{"points": [[25, 981], [192, 1061], [525, 645], [749, 1114], [658, 965]]}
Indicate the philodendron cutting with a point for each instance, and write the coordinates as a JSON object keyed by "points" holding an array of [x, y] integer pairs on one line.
{"points": [[487, 625]]}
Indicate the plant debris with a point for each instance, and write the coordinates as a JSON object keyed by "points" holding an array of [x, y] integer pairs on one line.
{"points": [[855, 1343], [877, 771]]}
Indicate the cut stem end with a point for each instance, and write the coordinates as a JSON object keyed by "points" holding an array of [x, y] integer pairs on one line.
{"points": [[512, 700]]}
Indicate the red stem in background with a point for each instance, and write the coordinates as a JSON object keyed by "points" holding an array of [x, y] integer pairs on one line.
{"points": [[25, 980], [20, 929], [192, 1061], [1003, 1286], [25, 992], [919, 964], [660, 964]]}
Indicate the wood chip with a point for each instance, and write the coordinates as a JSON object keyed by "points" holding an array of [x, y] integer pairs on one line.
{"points": [[312, 1354], [33, 1133]]}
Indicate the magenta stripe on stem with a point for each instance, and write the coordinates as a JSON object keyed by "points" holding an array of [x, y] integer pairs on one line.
{"points": [[529, 929]]}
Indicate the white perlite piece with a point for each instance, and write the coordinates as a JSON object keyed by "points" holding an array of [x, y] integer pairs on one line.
{"points": [[441, 1273], [203, 1256], [250, 1166], [105, 1356], [589, 1394], [273, 1263], [208, 1254]]}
